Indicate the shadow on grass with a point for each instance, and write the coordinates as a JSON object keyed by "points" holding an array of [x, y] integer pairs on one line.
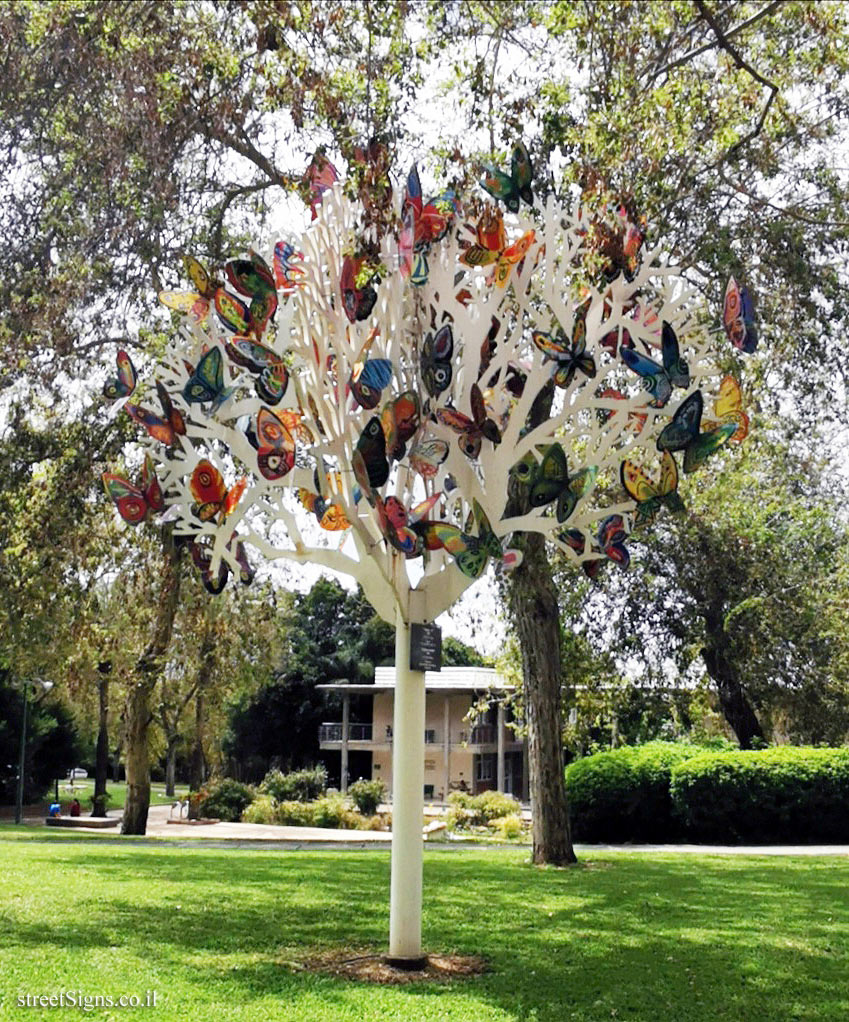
{"points": [[622, 936]]}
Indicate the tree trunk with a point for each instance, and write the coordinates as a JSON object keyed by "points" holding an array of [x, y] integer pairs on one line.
{"points": [[148, 670], [198, 774], [101, 765], [137, 764], [170, 764], [533, 599], [206, 669], [736, 708]]}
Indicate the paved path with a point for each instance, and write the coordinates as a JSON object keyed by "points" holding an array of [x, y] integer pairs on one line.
{"points": [[257, 835], [252, 833]]}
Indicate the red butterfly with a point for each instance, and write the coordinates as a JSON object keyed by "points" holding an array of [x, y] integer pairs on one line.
{"points": [[134, 502], [472, 431], [165, 430]]}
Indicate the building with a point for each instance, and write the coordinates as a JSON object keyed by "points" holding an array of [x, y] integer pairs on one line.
{"points": [[469, 741]]}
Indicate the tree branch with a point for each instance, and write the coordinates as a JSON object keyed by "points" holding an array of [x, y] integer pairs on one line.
{"points": [[692, 54]]}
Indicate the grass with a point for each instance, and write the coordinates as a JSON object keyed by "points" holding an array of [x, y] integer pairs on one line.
{"points": [[623, 936], [84, 789]]}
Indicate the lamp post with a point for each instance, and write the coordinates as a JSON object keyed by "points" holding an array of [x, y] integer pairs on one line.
{"points": [[19, 802]]}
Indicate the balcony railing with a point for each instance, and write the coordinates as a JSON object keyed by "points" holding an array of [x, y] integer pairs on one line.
{"points": [[330, 733], [333, 732], [484, 734]]}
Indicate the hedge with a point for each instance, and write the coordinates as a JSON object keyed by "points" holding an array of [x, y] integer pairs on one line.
{"points": [[623, 794], [784, 794]]}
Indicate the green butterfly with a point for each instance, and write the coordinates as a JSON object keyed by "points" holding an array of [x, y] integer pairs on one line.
{"points": [[516, 185], [683, 433], [471, 553], [549, 480]]}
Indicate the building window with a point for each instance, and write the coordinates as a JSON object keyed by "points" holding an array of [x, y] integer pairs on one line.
{"points": [[485, 767]]}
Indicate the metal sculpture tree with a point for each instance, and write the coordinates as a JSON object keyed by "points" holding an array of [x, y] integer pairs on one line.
{"points": [[374, 414]]}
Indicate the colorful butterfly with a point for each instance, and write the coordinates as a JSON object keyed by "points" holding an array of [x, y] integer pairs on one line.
{"points": [[253, 277], [568, 357], [650, 494], [355, 286], [287, 276], [400, 419], [134, 502], [396, 523], [368, 379], [623, 250], [190, 303], [611, 540], [234, 314], [250, 277], [165, 430], [369, 462], [206, 382], [658, 379], [200, 276], [471, 553], [437, 352], [202, 557], [729, 408], [125, 383], [426, 457], [683, 433], [328, 515], [738, 317], [423, 224], [320, 177], [273, 376], [472, 431], [550, 480], [210, 491], [275, 445], [491, 247], [516, 185]]}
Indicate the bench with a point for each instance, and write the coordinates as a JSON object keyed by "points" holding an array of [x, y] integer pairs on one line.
{"points": [[89, 822]]}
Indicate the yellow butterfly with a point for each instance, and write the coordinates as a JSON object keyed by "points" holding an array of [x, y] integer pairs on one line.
{"points": [[729, 408]]}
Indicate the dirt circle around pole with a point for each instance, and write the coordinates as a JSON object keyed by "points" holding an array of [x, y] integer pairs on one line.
{"points": [[363, 967]]}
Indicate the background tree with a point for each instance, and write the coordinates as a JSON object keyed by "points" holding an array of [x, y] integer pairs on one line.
{"points": [[752, 603]]}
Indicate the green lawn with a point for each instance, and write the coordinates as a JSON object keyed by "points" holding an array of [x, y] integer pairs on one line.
{"points": [[624, 936], [84, 789]]}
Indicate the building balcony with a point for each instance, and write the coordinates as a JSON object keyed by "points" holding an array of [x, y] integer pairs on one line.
{"points": [[482, 737], [330, 736]]}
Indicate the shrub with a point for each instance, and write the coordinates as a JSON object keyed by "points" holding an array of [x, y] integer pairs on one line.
{"points": [[333, 811], [295, 814], [367, 795], [478, 810], [623, 794], [785, 794], [509, 827], [493, 805], [298, 786], [262, 810], [222, 800]]}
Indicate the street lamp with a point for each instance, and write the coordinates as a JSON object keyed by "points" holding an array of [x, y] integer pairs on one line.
{"points": [[19, 803]]}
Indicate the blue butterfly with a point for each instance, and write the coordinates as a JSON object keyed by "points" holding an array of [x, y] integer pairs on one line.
{"points": [[206, 383], [658, 379], [368, 380]]}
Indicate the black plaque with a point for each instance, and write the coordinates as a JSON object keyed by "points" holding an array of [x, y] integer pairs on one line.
{"points": [[425, 648]]}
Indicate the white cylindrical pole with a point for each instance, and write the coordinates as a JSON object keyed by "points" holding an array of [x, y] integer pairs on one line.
{"points": [[405, 905]]}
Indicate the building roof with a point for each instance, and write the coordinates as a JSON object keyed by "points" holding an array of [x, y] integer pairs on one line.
{"points": [[448, 680]]}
